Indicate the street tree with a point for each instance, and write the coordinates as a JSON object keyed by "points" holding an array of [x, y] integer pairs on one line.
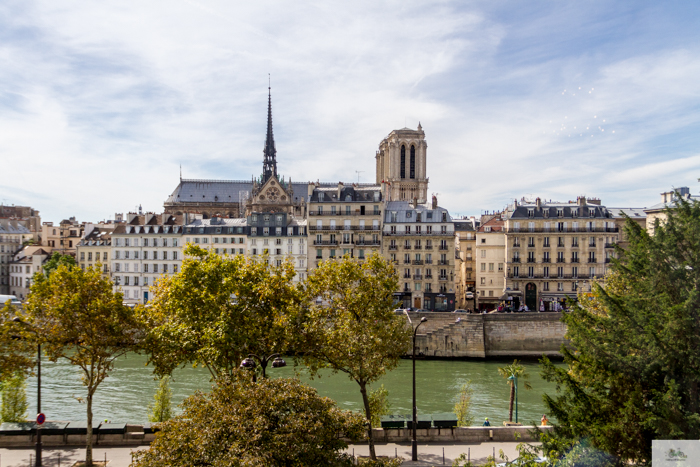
{"points": [[379, 405], [77, 316], [349, 326], [14, 398], [161, 409], [18, 346], [514, 370], [274, 422], [217, 310], [634, 375], [463, 406]]}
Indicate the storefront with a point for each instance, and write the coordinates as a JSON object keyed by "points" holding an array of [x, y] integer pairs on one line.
{"points": [[439, 301]]}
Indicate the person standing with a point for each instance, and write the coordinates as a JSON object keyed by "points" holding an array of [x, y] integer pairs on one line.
{"points": [[544, 420], [486, 422]]}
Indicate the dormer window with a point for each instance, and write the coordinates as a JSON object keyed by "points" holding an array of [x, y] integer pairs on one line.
{"points": [[320, 196], [560, 213], [574, 212], [591, 212], [530, 213]]}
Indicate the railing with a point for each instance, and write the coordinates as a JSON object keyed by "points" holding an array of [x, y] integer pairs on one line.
{"points": [[393, 247], [326, 242], [546, 245], [421, 233], [568, 229], [355, 213], [407, 261], [591, 245], [531, 245], [546, 260], [442, 278], [515, 260], [609, 245], [406, 276], [428, 247], [531, 260], [417, 262], [428, 277], [428, 261], [367, 242], [574, 260], [444, 262], [443, 248], [561, 260], [325, 228], [554, 276], [407, 247], [417, 277], [418, 247], [592, 260], [574, 245]]}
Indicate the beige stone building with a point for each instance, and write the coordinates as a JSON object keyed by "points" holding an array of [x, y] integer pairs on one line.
{"points": [[553, 250], [420, 240], [96, 248], [344, 220], [657, 212], [25, 216], [465, 263], [490, 262], [620, 215], [64, 237]]}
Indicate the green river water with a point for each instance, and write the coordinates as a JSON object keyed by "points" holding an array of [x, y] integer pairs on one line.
{"points": [[126, 394]]}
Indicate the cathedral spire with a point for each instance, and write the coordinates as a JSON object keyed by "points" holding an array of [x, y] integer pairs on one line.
{"points": [[270, 160]]}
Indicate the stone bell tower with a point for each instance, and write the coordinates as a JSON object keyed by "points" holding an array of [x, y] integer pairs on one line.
{"points": [[401, 161]]}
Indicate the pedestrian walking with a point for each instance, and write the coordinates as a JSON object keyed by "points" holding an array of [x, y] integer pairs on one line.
{"points": [[486, 422], [544, 420]]}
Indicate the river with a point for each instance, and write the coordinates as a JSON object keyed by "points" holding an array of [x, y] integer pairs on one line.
{"points": [[126, 394]]}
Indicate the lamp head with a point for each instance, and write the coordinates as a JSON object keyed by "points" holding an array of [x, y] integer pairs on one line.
{"points": [[248, 363], [423, 319], [278, 363]]}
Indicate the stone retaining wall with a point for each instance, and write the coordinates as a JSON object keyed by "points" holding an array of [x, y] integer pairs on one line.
{"points": [[489, 335]]}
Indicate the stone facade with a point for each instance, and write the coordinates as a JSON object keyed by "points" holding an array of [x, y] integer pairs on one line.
{"points": [[490, 261], [12, 236], [401, 165], [465, 266]]}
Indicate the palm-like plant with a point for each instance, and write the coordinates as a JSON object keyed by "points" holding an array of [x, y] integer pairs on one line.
{"points": [[516, 371]]}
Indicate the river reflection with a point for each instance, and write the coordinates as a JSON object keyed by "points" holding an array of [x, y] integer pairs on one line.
{"points": [[126, 394]]}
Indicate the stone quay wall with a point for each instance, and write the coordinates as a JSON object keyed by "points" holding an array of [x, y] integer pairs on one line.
{"points": [[489, 335]]}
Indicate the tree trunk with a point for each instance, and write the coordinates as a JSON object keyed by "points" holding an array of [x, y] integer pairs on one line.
{"points": [[512, 399], [368, 413], [88, 448]]}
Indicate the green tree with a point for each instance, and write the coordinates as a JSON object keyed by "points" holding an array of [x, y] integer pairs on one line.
{"points": [[274, 422], [379, 405], [514, 370], [161, 409], [14, 399], [18, 346], [218, 310], [78, 317], [56, 260], [349, 325], [464, 404], [635, 373]]}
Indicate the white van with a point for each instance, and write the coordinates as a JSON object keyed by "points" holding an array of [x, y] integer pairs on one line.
{"points": [[13, 300]]}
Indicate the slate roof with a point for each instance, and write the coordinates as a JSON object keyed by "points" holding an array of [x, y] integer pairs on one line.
{"points": [[349, 193], [13, 228], [221, 191], [523, 211], [634, 213], [672, 204], [405, 213]]}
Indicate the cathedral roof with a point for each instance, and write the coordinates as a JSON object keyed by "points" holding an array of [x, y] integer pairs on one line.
{"points": [[221, 191]]}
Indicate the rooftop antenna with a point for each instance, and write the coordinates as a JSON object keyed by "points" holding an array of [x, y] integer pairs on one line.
{"points": [[358, 172], [180, 172]]}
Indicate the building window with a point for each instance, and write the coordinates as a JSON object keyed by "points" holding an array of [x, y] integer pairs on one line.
{"points": [[413, 164], [403, 161]]}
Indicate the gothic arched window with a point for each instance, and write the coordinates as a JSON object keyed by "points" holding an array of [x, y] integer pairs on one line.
{"points": [[413, 161], [403, 161]]}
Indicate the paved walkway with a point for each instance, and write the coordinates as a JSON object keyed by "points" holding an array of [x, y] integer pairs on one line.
{"points": [[428, 454]]}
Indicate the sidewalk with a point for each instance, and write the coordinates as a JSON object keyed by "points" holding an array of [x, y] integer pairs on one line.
{"points": [[428, 454]]}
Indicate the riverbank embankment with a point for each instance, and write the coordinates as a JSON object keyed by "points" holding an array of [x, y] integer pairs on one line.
{"points": [[464, 335]]}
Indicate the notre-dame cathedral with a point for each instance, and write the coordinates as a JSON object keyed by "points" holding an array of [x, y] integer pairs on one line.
{"points": [[400, 172]]}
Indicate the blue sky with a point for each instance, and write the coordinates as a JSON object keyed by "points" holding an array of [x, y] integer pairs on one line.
{"points": [[101, 102]]}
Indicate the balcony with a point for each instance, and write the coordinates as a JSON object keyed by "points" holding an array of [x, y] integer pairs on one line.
{"points": [[427, 234], [428, 247], [560, 245], [418, 247], [609, 245], [406, 276], [515, 260], [516, 244], [407, 247], [531, 260], [428, 277], [325, 228], [574, 260], [546, 260], [368, 243], [342, 213], [428, 261], [443, 248], [608, 260], [393, 247], [592, 260], [326, 242], [417, 277], [407, 261], [417, 262], [442, 278], [444, 262], [574, 245], [531, 245], [546, 245], [561, 260]]}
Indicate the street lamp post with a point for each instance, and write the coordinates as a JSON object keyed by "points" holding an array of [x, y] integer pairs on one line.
{"points": [[249, 363], [38, 445], [515, 381], [414, 442]]}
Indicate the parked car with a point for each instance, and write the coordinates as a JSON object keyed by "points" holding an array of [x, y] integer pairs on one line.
{"points": [[421, 310], [469, 295], [459, 310]]}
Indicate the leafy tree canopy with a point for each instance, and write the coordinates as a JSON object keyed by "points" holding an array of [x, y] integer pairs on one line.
{"points": [[274, 422], [76, 316], [56, 260], [349, 325], [18, 347], [218, 310], [635, 373]]}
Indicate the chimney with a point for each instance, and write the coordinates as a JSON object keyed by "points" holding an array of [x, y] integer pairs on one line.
{"points": [[538, 203], [415, 202], [340, 189], [435, 205]]}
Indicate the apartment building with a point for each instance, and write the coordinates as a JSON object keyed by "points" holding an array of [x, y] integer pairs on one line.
{"points": [[420, 240], [96, 247], [280, 236], [553, 250], [144, 249], [64, 237], [12, 236], [25, 263], [465, 272], [490, 262], [344, 220]]}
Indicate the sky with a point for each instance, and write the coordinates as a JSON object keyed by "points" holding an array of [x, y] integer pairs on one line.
{"points": [[101, 103]]}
